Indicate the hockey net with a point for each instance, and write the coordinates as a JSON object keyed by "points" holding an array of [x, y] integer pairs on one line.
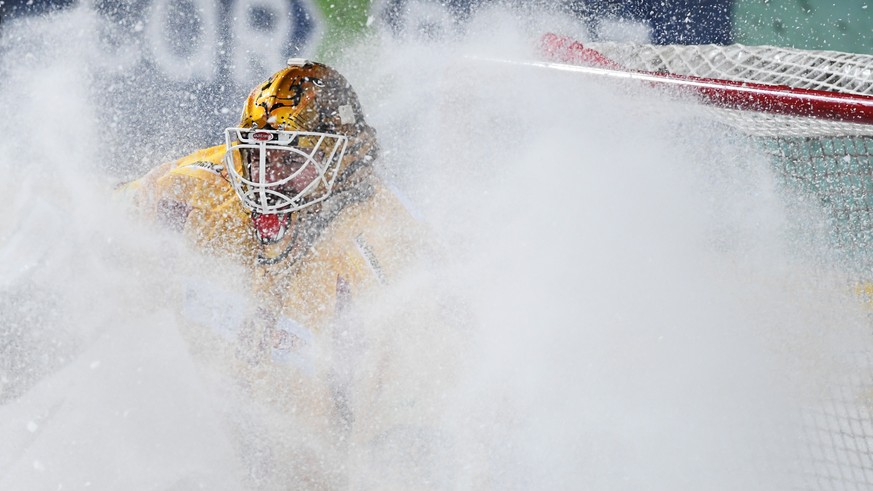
{"points": [[811, 112]]}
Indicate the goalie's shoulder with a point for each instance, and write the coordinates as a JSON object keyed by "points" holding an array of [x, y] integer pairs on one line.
{"points": [[194, 181], [205, 164], [198, 180], [201, 164]]}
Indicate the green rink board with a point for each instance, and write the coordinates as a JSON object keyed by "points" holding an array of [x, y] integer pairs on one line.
{"points": [[346, 21], [845, 25]]}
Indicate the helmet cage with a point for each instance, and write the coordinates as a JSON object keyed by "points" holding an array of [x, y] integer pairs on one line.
{"points": [[251, 152]]}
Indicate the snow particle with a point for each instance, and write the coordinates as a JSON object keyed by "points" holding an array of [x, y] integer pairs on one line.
{"points": [[32, 426], [95, 364]]}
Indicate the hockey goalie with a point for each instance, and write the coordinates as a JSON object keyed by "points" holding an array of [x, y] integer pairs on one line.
{"points": [[291, 198]]}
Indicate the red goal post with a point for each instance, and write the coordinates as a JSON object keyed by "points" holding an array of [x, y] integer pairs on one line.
{"points": [[824, 85]]}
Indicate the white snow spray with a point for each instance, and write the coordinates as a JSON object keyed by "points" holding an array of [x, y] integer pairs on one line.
{"points": [[627, 298]]}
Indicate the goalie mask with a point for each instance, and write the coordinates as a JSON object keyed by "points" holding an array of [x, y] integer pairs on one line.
{"points": [[302, 133]]}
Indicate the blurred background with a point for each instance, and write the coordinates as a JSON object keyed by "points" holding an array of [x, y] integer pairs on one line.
{"points": [[213, 52], [811, 24]]}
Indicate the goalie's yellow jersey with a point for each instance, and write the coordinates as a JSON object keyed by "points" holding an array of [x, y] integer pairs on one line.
{"points": [[283, 343]]}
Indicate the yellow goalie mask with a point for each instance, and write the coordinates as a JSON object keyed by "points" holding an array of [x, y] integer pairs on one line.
{"points": [[293, 143], [282, 171]]}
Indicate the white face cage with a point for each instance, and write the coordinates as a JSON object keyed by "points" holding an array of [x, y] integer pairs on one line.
{"points": [[282, 171]]}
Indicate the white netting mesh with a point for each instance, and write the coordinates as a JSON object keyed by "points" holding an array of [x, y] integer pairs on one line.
{"points": [[778, 125], [819, 70], [831, 71]]}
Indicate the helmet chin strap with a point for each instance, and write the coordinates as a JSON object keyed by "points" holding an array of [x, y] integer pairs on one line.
{"points": [[276, 244], [271, 228]]}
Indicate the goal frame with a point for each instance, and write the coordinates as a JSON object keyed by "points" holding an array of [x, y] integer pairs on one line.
{"points": [[566, 54]]}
